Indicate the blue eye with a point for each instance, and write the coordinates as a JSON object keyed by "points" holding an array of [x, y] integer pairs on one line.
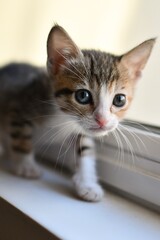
{"points": [[83, 96], [119, 100]]}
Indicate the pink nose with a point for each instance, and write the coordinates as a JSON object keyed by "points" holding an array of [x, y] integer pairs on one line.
{"points": [[101, 121]]}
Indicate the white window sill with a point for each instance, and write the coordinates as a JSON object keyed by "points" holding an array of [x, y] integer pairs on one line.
{"points": [[51, 203]]}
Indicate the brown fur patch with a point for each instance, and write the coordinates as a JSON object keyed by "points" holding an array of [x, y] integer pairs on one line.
{"points": [[22, 145]]}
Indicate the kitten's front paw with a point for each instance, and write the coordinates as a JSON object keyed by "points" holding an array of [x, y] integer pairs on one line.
{"points": [[87, 190], [31, 170]]}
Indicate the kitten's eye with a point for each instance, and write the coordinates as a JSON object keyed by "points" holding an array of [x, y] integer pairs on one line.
{"points": [[119, 100], [83, 96]]}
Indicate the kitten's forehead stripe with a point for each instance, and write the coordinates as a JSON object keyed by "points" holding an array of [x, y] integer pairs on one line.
{"points": [[102, 66]]}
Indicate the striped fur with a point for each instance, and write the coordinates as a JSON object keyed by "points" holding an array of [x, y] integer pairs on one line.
{"points": [[24, 91]]}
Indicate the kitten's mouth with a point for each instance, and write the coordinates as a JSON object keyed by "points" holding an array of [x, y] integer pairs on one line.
{"points": [[99, 131]]}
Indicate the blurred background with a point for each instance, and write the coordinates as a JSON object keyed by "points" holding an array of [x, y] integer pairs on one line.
{"points": [[115, 26]]}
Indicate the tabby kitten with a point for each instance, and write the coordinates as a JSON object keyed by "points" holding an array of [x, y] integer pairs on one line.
{"points": [[90, 92], [94, 90]]}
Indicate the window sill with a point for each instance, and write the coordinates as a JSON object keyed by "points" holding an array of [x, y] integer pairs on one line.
{"points": [[51, 203]]}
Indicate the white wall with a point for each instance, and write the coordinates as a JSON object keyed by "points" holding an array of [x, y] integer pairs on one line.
{"points": [[114, 26]]}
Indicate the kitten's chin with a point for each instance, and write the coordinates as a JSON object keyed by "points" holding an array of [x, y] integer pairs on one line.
{"points": [[99, 132]]}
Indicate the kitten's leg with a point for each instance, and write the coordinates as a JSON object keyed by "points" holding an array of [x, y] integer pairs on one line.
{"points": [[85, 178], [21, 149]]}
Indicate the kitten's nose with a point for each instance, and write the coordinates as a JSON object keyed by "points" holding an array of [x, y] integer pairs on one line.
{"points": [[101, 121]]}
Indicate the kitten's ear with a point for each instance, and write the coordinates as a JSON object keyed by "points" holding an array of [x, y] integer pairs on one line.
{"points": [[136, 59], [60, 49]]}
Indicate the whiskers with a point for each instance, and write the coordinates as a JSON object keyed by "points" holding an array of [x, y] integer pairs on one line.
{"points": [[120, 147], [61, 129], [60, 139], [127, 147], [130, 145]]}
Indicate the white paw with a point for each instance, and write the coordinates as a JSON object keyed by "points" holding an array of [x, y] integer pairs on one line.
{"points": [[27, 170], [87, 190]]}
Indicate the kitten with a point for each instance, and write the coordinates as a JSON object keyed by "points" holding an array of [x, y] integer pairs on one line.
{"points": [[94, 89], [90, 92]]}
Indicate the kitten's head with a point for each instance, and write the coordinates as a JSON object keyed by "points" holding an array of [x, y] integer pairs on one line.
{"points": [[95, 88]]}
